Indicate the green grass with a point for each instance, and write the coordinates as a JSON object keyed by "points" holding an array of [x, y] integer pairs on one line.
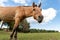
{"points": [[31, 36]]}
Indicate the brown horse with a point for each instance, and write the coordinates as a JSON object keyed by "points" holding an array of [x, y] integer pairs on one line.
{"points": [[17, 14]]}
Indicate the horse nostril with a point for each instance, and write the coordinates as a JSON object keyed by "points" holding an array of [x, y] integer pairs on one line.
{"points": [[39, 16]]}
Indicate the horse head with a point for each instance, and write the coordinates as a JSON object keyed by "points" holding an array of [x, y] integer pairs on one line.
{"points": [[37, 12]]}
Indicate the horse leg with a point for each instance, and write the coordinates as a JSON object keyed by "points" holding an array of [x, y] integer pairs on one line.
{"points": [[2, 24], [15, 36], [15, 27], [11, 36]]}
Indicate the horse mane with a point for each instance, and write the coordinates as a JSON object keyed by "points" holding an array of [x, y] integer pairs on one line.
{"points": [[26, 6]]}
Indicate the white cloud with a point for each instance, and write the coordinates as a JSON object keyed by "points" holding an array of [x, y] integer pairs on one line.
{"points": [[23, 2], [20, 1], [31, 20], [49, 14], [2, 2], [42, 1]]}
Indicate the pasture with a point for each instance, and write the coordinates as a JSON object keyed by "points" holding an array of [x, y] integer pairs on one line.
{"points": [[31, 36]]}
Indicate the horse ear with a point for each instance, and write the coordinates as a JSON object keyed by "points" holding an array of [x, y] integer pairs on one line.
{"points": [[39, 5], [34, 5]]}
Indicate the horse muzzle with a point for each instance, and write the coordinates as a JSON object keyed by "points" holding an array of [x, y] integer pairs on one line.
{"points": [[40, 19]]}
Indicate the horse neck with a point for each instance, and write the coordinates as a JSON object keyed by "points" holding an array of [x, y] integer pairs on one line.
{"points": [[28, 11]]}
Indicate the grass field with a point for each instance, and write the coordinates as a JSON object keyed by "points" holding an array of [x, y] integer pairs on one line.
{"points": [[31, 36]]}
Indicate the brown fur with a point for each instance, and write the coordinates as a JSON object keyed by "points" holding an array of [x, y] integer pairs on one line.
{"points": [[17, 14]]}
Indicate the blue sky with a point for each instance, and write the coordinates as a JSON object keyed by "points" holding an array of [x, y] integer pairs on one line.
{"points": [[52, 6], [55, 23]]}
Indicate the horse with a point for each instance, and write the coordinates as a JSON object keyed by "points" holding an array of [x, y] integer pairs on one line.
{"points": [[19, 13]]}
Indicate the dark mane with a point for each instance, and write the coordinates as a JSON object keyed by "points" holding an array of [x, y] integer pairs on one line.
{"points": [[24, 6]]}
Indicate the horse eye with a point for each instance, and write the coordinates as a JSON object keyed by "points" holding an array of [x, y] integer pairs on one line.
{"points": [[33, 9]]}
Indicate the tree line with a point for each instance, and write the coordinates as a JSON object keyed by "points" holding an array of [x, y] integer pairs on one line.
{"points": [[24, 26], [41, 31]]}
